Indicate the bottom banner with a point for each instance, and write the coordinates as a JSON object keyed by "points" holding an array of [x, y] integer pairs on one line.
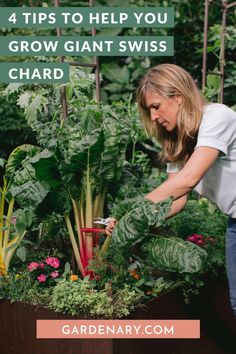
{"points": [[118, 329]]}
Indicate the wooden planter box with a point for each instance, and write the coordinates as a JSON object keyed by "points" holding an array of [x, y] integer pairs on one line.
{"points": [[211, 306]]}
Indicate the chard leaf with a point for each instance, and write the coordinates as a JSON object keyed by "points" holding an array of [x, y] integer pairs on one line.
{"points": [[30, 193], [16, 158], [76, 158], [176, 255], [24, 219], [116, 137], [134, 226], [46, 168]]}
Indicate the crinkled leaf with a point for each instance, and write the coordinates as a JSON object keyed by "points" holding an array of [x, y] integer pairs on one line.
{"points": [[76, 152], [176, 255], [17, 156], [30, 194], [76, 158], [116, 137], [26, 174], [125, 206], [134, 225]]}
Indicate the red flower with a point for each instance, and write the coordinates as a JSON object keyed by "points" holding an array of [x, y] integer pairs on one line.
{"points": [[197, 239]]}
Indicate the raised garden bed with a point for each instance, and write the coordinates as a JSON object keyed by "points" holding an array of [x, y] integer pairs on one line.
{"points": [[211, 306]]}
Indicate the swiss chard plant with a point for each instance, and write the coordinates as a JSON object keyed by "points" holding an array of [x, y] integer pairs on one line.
{"points": [[13, 221], [170, 254], [78, 160]]}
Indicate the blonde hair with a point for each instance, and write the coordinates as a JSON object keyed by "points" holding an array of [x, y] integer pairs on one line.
{"points": [[169, 80]]}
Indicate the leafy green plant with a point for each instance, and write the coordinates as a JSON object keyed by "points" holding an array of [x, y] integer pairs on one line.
{"points": [[142, 213], [13, 224], [212, 88], [200, 217], [81, 297], [78, 160], [175, 255], [19, 286]]}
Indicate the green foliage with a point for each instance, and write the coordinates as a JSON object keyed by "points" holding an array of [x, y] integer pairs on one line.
{"points": [[175, 255], [188, 32], [203, 218], [188, 22], [13, 223], [21, 287], [78, 160], [80, 297], [14, 130], [200, 217], [212, 88], [137, 179]]}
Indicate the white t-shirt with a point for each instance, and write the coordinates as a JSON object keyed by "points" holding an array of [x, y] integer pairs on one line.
{"points": [[218, 130]]}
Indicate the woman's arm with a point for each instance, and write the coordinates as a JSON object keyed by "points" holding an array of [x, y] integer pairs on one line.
{"points": [[185, 180], [178, 204]]}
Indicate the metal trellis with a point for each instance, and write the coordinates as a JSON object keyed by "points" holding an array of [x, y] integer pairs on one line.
{"points": [[225, 7]]}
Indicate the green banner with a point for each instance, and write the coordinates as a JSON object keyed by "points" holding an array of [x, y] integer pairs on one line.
{"points": [[95, 17], [34, 72], [89, 46]]}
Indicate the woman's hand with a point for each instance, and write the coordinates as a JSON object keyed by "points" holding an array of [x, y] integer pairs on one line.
{"points": [[110, 226]]}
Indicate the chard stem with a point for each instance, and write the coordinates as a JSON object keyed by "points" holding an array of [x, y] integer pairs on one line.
{"points": [[74, 245]]}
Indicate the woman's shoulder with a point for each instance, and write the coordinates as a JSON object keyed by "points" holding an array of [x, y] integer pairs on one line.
{"points": [[217, 120], [217, 109]]}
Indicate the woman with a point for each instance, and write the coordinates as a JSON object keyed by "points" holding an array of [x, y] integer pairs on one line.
{"points": [[199, 145]]}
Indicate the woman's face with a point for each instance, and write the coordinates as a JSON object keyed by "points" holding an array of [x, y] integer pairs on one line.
{"points": [[163, 110]]}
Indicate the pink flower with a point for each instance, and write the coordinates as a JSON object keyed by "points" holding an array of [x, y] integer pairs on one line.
{"points": [[32, 266], [42, 278], [53, 262], [54, 274], [41, 265]]}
